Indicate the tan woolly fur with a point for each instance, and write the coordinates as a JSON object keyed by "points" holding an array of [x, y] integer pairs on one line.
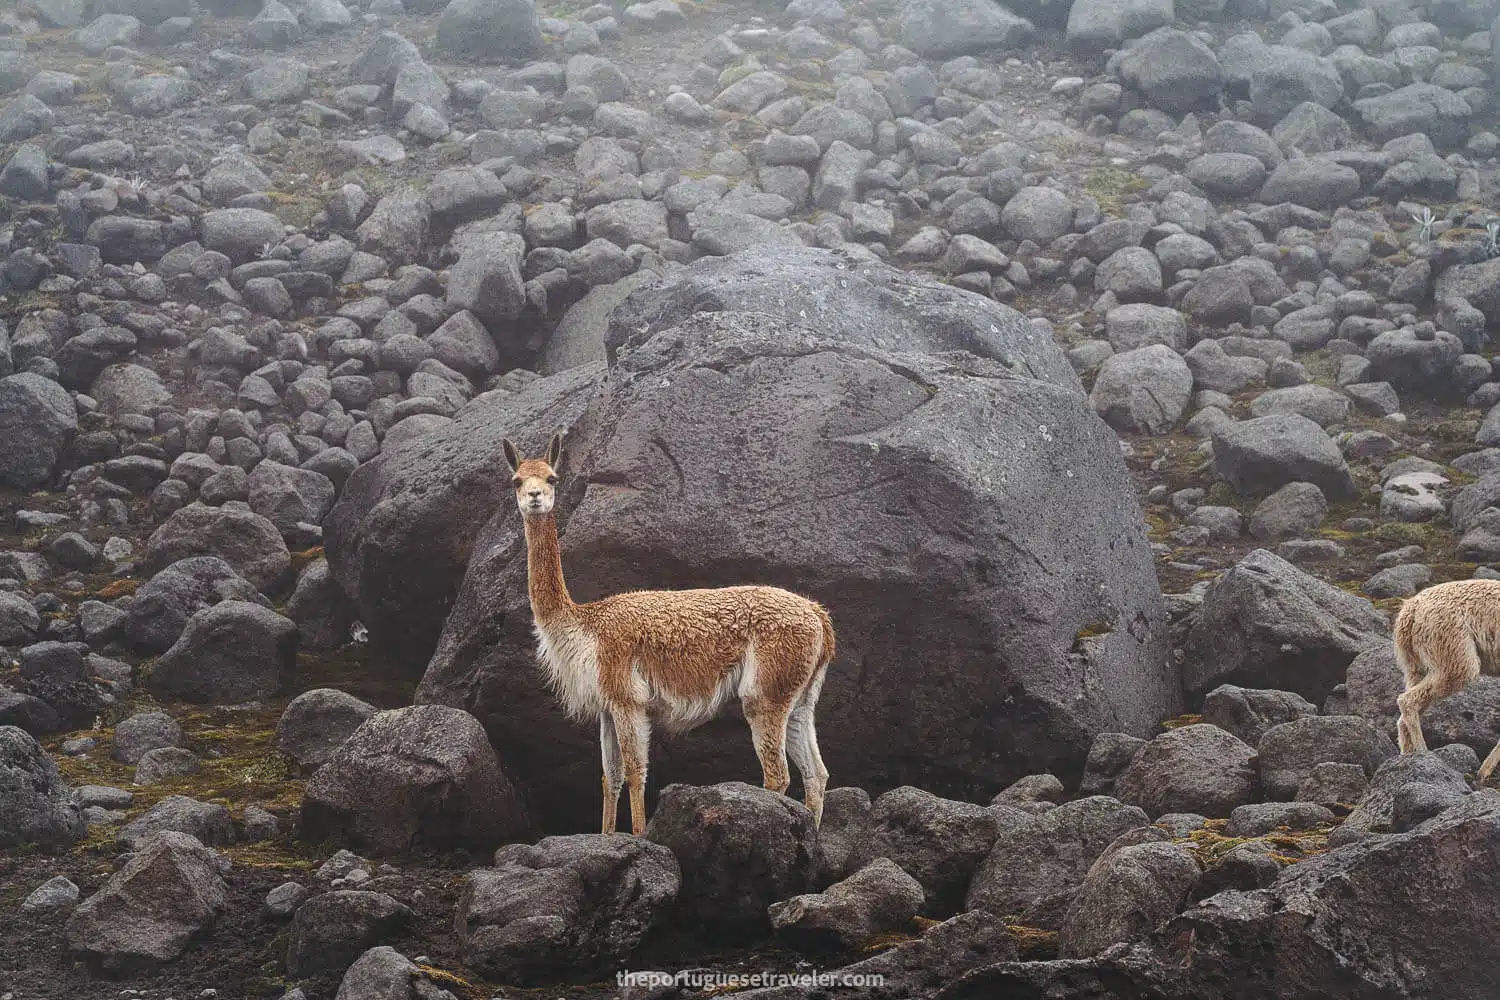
{"points": [[673, 658], [1445, 636]]}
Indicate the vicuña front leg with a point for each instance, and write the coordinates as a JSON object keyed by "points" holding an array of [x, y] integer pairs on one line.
{"points": [[614, 770], [634, 731]]}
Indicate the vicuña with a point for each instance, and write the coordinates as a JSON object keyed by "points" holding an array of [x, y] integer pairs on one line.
{"points": [[1446, 636], [672, 658]]}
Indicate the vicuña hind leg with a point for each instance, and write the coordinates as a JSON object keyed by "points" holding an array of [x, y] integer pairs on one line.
{"points": [[768, 731], [802, 747], [633, 729], [614, 770], [1457, 665], [1489, 765]]}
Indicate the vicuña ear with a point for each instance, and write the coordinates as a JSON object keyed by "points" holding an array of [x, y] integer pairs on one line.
{"points": [[554, 451], [512, 457]]}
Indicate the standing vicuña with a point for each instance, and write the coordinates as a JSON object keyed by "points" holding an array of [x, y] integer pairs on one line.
{"points": [[673, 657], [1445, 637]]}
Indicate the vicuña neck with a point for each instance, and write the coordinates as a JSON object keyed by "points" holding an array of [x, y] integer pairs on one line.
{"points": [[549, 592]]}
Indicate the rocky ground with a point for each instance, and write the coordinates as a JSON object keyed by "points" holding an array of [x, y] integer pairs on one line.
{"points": [[1111, 370]]}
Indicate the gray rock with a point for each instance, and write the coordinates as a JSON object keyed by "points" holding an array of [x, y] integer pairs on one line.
{"points": [[1109, 756], [1297, 930], [1259, 819], [1334, 784], [1287, 753], [1267, 624], [318, 606], [566, 908], [1140, 324], [232, 652], [876, 899], [1319, 184], [37, 420], [317, 722], [57, 893], [1377, 811], [939, 842], [162, 606], [36, 808], [1284, 77], [149, 912], [487, 282], [25, 174], [208, 823], [329, 932], [1143, 391], [164, 763], [142, 732], [945, 28], [240, 233], [248, 542], [397, 228], [1261, 455], [424, 775], [1197, 768], [1096, 25], [1038, 860], [1039, 214], [1294, 510], [490, 29], [288, 496], [1247, 712], [1174, 70], [1126, 895], [1438, 113]]}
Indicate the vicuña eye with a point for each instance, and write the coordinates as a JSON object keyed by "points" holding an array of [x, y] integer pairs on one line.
{"points": [[551, 480], [516, 483]]}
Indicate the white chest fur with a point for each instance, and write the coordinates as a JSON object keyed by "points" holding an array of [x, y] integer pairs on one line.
{"points": [[570, 657]]}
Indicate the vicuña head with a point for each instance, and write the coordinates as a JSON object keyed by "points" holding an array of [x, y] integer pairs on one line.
{"points": [[673, 658], [535, 479]]}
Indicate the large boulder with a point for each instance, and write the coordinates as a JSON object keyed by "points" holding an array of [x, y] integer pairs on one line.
{"points": [[1036, 866], [317, 722], [1037, 577], [490, 29], [1173, 69], [1096, 25], [418, 777], [162, 606], [939, 842], [945, 28], [1265, 623], [232, 652], [37, 420], [1126, 895], [1263, 454], [1400, 916], [740, 848], [1031, 598], [36, 808], [877, 899], [572, 907], [168, 894], [1287, 754], [247, 541], [330, 932], [845, 300], [1192, 769]]}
